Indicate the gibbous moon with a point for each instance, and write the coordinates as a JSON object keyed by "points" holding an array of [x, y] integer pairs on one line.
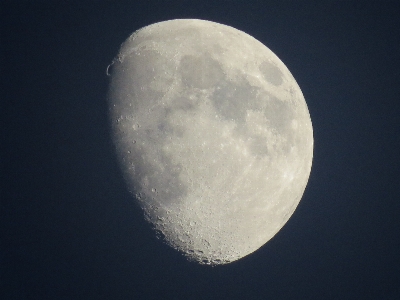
{"points": [[213, 136]]}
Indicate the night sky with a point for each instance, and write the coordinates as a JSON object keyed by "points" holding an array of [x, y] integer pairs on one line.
{"points": [[71, 230]]}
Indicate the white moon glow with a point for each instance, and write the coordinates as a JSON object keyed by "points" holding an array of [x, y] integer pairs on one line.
{"points": [[213, 135]]}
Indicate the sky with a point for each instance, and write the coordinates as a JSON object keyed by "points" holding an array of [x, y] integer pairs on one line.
{"points": [[71, 230]]}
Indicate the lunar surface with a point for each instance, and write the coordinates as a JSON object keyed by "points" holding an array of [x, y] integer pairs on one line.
{"points": [[213, 136]]}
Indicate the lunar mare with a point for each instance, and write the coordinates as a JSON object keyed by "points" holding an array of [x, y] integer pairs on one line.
{"points": [[213, 136]]}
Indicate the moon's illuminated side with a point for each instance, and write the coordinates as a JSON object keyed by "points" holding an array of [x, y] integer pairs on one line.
{"points": [[213, 135]]}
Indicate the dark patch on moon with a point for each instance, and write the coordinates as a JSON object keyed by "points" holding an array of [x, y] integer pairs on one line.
{"points": [[200, 72], [258, 146], [183, 103], [145, 165], [271, 73], [232, 100], [150, 180], [276, 111]]}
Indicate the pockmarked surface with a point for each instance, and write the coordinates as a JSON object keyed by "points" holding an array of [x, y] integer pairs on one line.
{"points": [[213, 136]]}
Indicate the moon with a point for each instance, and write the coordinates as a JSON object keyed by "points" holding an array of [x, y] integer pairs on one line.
{"points": [[213, 136]]}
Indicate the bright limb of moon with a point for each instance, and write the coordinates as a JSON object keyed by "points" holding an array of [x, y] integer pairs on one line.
{"points": [[213, 136]]}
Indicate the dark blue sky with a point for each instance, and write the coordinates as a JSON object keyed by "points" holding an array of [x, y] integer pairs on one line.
{"points": [[69, 228]]}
